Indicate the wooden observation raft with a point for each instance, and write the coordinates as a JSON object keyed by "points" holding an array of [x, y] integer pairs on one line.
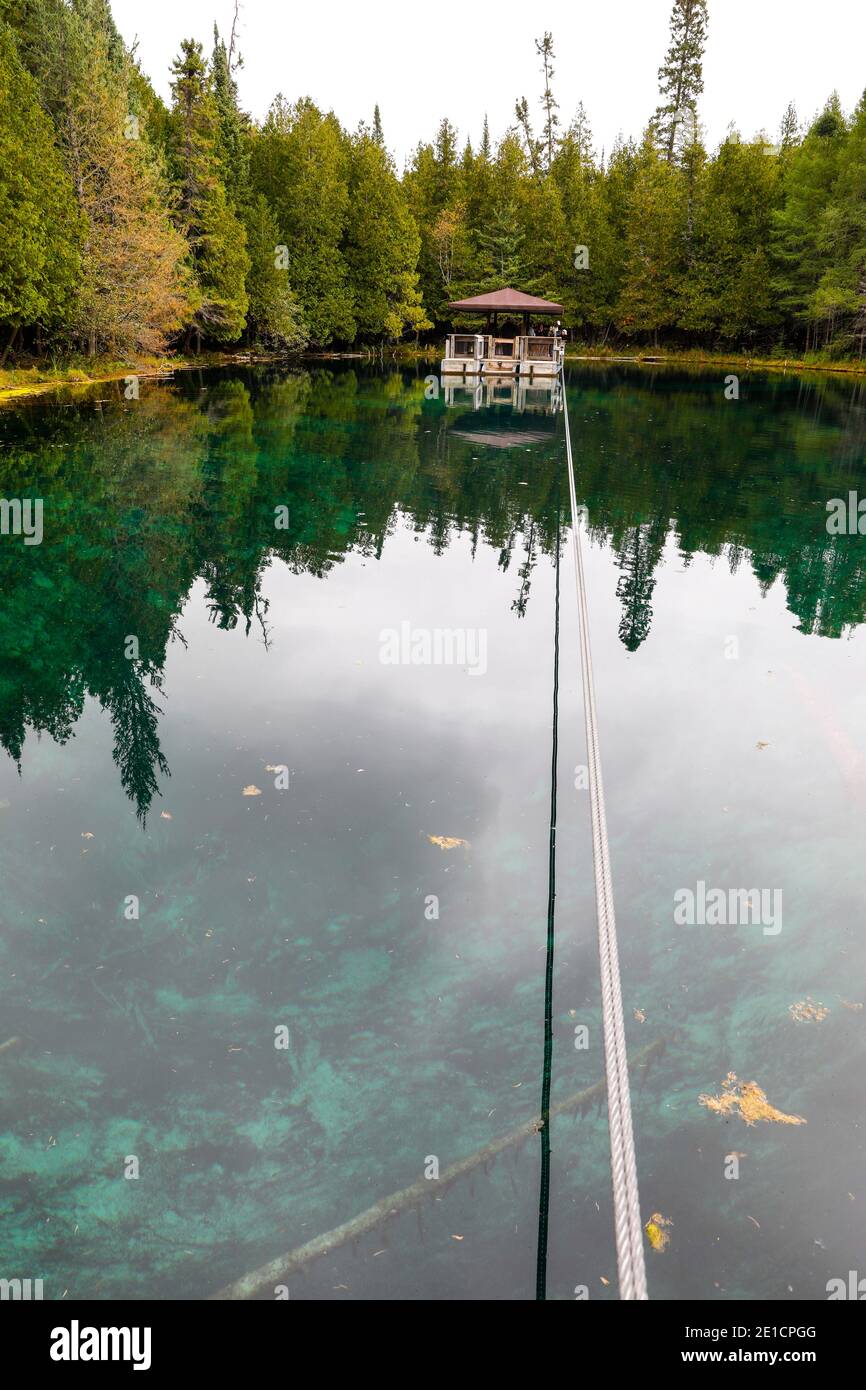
{"points": [[526, 354]]}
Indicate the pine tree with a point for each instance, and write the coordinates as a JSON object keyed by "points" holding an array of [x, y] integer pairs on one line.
{"points": [[801, 251], [681, 79], [382, 246], [214, 234], [274, 315], [300, 162], [727, 292], [378, 133], [544, 49], [789, 131], [501, 243], [836, 305], [534, 146], [435, 189], [41, 230], [232, 144], [484, 149], [654, 272]]}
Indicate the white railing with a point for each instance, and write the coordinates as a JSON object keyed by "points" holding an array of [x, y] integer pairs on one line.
{"points": [[465, 345], [477, 347]]}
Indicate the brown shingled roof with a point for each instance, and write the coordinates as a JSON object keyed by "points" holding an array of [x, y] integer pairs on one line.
{"points": [[506, 301]]}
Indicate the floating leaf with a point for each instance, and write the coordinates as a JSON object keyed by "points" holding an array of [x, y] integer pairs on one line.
{"points": [[639, 1016], [807, 1012], [760, 744], [657, 1231], [252, 790], [87, 834], [746, 1099], [446, 841], [166, 815]]}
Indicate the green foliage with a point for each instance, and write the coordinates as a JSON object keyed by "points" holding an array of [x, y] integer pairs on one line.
{"points": [[274, 316], [214, 233], [654, 273], [40, 227], [382, 246], [300, 164], [112, 243]]}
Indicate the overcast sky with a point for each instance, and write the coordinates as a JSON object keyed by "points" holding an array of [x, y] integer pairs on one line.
{"points": [[423, 60]]}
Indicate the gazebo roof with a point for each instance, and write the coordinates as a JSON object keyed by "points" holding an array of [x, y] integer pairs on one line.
{"points": [[506, 301]]}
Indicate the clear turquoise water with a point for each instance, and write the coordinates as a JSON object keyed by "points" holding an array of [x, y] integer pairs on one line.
{"points": [[305, 907]]}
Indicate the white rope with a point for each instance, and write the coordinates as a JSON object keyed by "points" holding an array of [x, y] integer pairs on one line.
{"points": [[626, 1201]]}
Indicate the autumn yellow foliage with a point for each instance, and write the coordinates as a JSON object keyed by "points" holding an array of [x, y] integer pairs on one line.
{"points": [[746, 1099], [657, 1231]]}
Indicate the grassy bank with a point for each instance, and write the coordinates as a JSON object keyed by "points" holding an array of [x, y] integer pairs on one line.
{"points": [[33, 378], [698, 357]]}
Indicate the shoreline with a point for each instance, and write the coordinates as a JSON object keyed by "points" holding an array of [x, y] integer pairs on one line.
{"points": [[80, 377]]}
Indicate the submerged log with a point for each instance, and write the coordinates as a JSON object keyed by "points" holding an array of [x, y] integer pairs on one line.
{"points": [[265, 1278]]}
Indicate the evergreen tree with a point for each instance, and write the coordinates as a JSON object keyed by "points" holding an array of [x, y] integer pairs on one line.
{"points": [[300, 162], [681, 79], [789, 131], [214, 234], [436, 193], [727, 292], [650, 297], [534, 146], [382, 246], [501, 244], [232, 144], [549, 104], [40, 225], [801, 250], [274, 316], [484, 148]]}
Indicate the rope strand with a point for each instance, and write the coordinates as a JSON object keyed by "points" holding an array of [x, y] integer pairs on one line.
{"points": [[626, 1200]]}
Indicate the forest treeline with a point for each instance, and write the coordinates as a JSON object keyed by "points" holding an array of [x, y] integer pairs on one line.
{"points": [[129, 226]]}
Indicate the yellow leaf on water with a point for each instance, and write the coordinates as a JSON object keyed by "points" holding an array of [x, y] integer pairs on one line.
{"points": [[166, 815], [252, 790], [657, 1231], [746, 1099], [447, 841], [87, 834], [807, 1012]]}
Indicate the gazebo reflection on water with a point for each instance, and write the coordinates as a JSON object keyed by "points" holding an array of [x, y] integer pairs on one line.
{"points": [[519, 396]]}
